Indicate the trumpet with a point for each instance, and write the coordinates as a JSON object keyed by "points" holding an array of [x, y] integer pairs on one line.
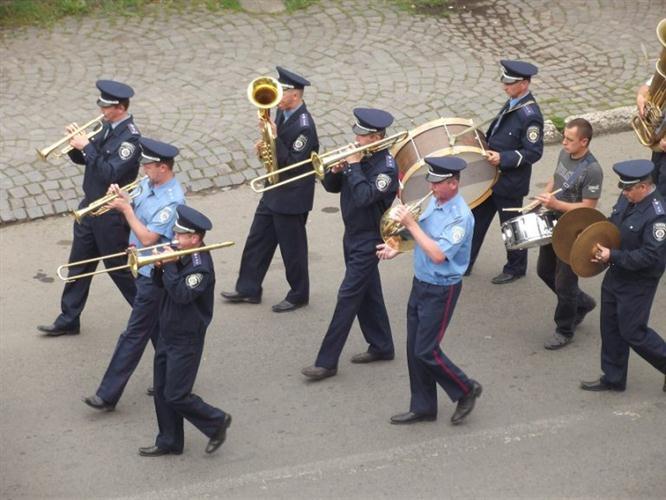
{"points": [[98, 207], [47, 151], [322, 163], [393, 233], [135, 260]]}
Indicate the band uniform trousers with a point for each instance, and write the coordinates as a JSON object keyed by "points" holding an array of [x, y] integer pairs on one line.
{"points": [[625, 311], [560, 278], [659, 173], [142, 325], [360, 295], [94, 237], [516, 260], [175, 370], [270, 229]]}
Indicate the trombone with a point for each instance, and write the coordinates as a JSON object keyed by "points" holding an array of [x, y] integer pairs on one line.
{"points": [[135, 261], [95, 122], [322, 163], [98, 207]]}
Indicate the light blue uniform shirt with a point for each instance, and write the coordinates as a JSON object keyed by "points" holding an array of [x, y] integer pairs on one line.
{"points": [[451, 225], [155, 207]]}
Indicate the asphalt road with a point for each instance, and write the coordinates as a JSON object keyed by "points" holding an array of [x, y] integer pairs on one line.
{"points": [[534, 434]]}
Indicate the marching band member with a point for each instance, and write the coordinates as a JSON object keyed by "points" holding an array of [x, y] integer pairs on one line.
{"points": [[658, 157]]}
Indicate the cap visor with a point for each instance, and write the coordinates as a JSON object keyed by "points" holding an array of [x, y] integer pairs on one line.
{"points": [[434, 178]]}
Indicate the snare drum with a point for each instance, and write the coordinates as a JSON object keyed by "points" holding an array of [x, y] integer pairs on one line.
{"points": [[528, 231], [434, 139]]}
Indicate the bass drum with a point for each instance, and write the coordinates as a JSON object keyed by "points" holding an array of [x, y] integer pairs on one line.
{"points": [[434, 139]]}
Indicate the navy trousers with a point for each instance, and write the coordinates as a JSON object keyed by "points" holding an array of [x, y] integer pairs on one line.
{"points": [[516, 260], [429, 312], [175, 370], [360, 296], [142, 325], [625, 311], [268, 230], [659, 173], [95, 237]]}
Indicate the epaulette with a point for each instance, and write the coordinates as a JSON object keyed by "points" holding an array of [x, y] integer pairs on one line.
{"points": [[390, 162], [304, 120], [132, 128], [528, 110], [657, 206], [196, 259]]}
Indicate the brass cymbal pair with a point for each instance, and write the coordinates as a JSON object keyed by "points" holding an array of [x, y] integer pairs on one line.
{"points": [[575, 239]]}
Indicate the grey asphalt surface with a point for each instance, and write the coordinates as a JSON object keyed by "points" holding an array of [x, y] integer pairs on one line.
{"points": [[190, 71], [533, 434]]}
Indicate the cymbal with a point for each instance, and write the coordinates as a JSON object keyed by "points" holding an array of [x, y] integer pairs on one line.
{"points": [[606, 233], [569, 226]]}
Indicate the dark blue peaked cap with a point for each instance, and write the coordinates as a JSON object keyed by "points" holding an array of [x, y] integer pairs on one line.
{"points": [[370, 120], [291, 80], [112, 92], [443, 167], [155, 151], [632, 171], [191, 221], [514, 71]]}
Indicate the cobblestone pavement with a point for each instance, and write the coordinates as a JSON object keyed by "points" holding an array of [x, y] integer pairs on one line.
{"points": [[190, 72]]}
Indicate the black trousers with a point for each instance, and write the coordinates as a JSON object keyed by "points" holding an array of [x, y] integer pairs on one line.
{"points": [[516, 260], [560, 278], [95, 237], [659, 174], [268, 230]]}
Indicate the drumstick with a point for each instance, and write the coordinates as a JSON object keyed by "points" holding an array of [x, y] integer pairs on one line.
{"points": [[512, 209], [535, 203]]}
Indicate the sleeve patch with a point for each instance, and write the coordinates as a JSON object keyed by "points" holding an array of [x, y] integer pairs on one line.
{"points": [[300, 143], [165, 214], [457, 234], [126, 150], [659, 231], [193, 280], [382, 182], [533, 134]]}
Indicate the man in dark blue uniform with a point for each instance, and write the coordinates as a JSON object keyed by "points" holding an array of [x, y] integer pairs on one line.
{"points": [[631, 281], [185, 313], [282, 212], [515, 139], [151, 216], [443, 237], [110, 157], [659, 154], [367, 187]]}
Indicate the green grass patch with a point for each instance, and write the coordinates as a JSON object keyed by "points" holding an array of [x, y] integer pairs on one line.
{"points": [[15, 13], [293, 5], [439, 8], [558, 121]]}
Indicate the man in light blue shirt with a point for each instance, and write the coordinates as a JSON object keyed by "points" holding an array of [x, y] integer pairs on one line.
{"points": [[443, 237], [151, 216]]}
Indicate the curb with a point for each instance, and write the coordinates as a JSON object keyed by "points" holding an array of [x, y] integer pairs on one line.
{"points": [[603, 122]]}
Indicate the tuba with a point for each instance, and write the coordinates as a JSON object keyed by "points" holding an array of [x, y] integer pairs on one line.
{"points": [[265, 93], [651, 127]]}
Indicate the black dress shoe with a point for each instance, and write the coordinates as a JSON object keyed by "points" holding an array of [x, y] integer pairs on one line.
{"points": [[156, 451], [216, 441], [369, 357], [239, 297], [466, 403], [600, 385], [56, 331], [503, 278], [98, 403], [318, 372], [150, 391], [285, 306], [411, 418]]}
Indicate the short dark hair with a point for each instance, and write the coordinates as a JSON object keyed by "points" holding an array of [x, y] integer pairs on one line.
{"points": [[584, 128], [168, 162]]}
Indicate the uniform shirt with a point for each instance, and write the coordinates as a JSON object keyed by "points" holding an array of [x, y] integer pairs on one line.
{"points": [[642, 252], [187, 304], [366, 190], [586, 184], [111, 157], [155, 207], [451, 225], [517, 135]]}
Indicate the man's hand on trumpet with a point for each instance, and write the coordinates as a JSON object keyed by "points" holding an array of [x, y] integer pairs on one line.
{"points": [[79, 141], [122, 202]]}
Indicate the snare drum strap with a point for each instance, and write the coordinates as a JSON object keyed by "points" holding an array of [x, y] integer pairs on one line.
{"points": [[569, 183]]}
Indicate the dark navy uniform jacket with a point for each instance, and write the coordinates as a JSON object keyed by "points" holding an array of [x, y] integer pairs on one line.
{"points": [[114, 160], [187, 304], [366, 190], [642, 252], [296, 139], [518, 137]]}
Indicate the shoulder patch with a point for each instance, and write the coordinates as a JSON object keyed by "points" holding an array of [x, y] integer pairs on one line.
{"points": [[126, 150], [533, 133], [659, 231], [304, 120], [193, 280], [457, 234], [658, 207], [165, 214], [382, 182], [132, 128], [300, 143]]}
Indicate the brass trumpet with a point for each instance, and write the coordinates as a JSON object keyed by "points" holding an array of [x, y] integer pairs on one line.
{"points": [[322, 163], [98, 207], [47, 151], [265, 92], [135, 261], [393, 233]]}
